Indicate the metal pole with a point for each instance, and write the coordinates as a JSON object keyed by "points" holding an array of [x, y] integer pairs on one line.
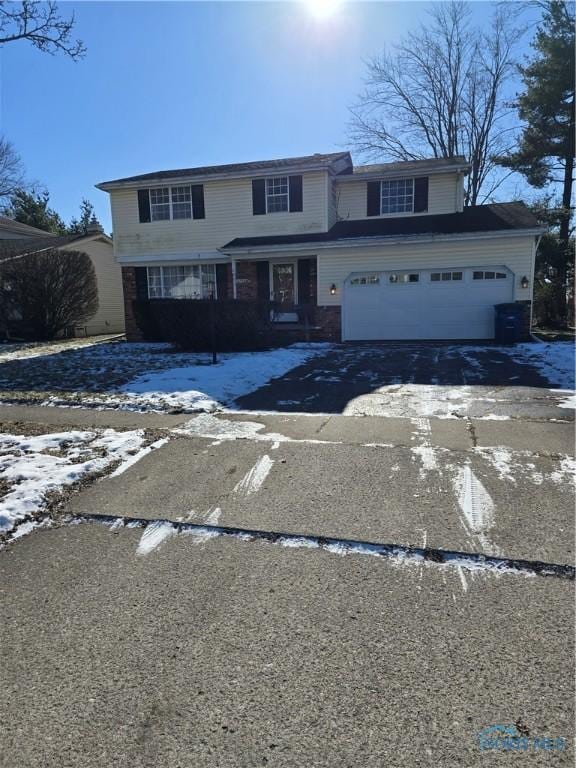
{"points": [[213, 328]]}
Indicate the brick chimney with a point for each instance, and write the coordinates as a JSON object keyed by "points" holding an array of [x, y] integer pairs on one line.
{"points": [[94, 227]]}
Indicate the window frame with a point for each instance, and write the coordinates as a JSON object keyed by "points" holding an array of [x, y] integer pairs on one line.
{"points": [[153, 205], [409, 179], [441, 279], [282, 194], [497, 274], [171, 202], [161, 280], [400, 275]]}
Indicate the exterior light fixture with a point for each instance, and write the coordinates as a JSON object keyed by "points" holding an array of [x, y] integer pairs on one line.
{"points": [[524, 282], [333, 289]]}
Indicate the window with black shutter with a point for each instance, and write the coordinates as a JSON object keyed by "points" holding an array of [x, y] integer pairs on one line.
{"points": [[421, 194], [258, 197], [144, 205], [295, 185]]}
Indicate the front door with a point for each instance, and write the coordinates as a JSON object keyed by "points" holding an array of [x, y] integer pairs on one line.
{"points": [[283, 278]]}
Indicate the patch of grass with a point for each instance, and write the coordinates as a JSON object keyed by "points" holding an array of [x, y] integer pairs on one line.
{"points": [[554, 334]]}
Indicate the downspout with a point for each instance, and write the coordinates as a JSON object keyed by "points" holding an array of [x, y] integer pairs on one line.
{"points": [[234, 278], [535, 251]]}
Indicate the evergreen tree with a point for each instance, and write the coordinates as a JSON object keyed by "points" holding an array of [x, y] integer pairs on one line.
{"points": [[34, 210], [80, 225], [545, 153]]}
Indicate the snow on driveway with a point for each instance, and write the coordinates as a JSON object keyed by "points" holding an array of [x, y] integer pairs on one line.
{"points": [[34, 467], [552, 360]]}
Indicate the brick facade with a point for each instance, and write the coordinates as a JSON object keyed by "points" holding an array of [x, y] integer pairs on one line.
{"points": [[526, 329], [328, 324], [133, 333], [325, 322], [246, 281]]}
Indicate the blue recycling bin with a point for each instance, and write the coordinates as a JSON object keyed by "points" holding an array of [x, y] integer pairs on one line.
{"points": [[509, 319]]}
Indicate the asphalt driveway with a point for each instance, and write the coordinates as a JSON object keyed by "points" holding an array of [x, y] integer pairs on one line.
{"points": [[412, 380]]}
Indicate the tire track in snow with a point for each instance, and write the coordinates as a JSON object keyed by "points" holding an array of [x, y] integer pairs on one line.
{"points": [[477, 506]]}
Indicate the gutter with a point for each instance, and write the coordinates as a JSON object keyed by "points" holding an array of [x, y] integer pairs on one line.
{"points": [[403, 174]]}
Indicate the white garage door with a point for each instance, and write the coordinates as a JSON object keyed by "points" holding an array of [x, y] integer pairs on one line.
{"points": [[424, 304]]}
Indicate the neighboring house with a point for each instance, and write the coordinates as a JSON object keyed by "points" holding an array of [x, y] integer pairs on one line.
{"points": [[110, 315], [366, 253], [15, 230]]}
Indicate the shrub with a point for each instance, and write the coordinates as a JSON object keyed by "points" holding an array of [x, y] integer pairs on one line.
{"points": [[43, 294], [238, 325]]}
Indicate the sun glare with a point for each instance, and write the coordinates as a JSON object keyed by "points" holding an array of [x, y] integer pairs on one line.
{"points": [[322, 9]]}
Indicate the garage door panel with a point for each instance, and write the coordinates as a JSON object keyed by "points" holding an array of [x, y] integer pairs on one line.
{"points": [[459, 309]]}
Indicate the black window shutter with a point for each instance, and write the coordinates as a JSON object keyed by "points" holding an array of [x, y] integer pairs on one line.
{"points": [[258, 196], [263, 279], [143, 205], [141, 274], [304, 295], [198, 201], [373, 198], [295, 187], [222, 281], [421, 194]]}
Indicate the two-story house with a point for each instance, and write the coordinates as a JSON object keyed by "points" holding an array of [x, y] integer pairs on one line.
{"points": [[373, 252]]}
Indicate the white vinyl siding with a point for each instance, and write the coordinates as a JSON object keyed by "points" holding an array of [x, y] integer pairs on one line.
{"points": [[443, 197], [516, 253], [182, 281], [228, 215], [109, 317]]}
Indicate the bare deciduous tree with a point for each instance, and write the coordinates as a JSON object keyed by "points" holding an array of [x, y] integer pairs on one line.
{"points": [[41, 24], [440, 93], [11, 169], [42, 294]]}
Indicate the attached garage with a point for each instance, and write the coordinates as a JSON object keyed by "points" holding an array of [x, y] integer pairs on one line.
{"points": [[418, 304]]}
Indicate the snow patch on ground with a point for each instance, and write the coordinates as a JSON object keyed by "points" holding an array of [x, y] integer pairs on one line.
{"points": [[476, 505], [33, 467], [554, 360], [501, 459], [569, 399], [255, 477], [154, 535], [425, 451], [211, 387], [209, 426]]}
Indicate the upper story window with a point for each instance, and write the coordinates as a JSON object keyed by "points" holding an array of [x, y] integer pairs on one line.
{"points": [[397, 196], [186, 281], [390, 197], [277, 196], [160, 203], [165, 203], [181, 203]]}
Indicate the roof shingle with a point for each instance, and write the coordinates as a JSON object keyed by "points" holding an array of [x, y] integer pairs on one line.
{"points": [[497, 217], [317, 160]]}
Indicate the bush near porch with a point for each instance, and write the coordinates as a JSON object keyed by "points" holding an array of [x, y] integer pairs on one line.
{"points": [[186, 323]]}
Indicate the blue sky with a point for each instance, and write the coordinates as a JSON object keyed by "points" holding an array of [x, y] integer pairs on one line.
{"points": [[178, 84]]}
